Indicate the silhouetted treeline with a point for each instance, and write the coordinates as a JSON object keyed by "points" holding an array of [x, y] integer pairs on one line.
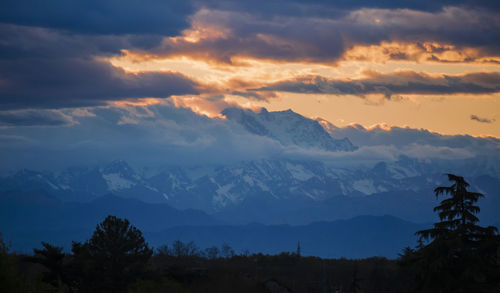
{"points": [[455, 255], [183, 267]]}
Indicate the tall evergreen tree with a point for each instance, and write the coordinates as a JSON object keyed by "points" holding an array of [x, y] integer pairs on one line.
{"points": [[458, 255], [457, 215]]}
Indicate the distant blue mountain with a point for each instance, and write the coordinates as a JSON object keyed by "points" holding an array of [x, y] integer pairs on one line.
{"points": [[27, 218], [358, 237], [276, 191]]}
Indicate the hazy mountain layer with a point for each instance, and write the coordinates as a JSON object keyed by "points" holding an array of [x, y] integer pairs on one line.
{"points": [[271, 191]]}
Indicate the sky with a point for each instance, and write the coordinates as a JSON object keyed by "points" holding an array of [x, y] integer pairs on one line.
{"points": [[92, 74]]}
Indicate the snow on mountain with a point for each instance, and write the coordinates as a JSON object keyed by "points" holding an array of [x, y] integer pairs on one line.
{"points": [[290, 185], [119, 175], [30, 180], [275, 185], [287, 127], [232, 184], [84, 183], [116, 182], [289, 181]]}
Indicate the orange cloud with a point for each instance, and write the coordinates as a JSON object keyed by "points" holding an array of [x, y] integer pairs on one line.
{"points": [[421, 52], [210, 107], [141, 102]]}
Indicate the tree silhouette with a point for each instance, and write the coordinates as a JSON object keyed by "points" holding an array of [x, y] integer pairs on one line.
{"points": [[298, 251], [212, 252], [459, 256], [51, 257], [113, 257], [226, 251], [457, 215], [183, 250]]}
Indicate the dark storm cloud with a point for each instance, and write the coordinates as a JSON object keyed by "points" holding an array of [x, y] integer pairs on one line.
{"points": [[165, 17], [246, 35], [25, 42], [168, 17], [296, 30], [313, 38], [52, 52], [406, 82], [327, 7], [81, 82], [35, 118], [481, 119], [42, 68]]}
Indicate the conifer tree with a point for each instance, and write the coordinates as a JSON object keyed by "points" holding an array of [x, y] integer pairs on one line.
{"points": [[457, 215], [51, 257], [459, 256]]}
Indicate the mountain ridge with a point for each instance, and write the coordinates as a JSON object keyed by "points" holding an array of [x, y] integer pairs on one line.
{"points": [[287, 127], [274, 188]]}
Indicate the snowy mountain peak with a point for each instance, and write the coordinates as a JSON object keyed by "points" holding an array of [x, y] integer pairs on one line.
{"points": [[287, 127], [118, 167]]}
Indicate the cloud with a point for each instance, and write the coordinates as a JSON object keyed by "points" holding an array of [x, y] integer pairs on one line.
{"points": [[409, 138], [165, 17], [441, 152], [481, 119], [41, 68], [326, 7], [54, 55], [420, 52], [223, 33], [14, 141], [21, 42], [397, 83], [81, 82], [163, 134], [48, 62], [168, 135], [35, 118], [251, 95]]}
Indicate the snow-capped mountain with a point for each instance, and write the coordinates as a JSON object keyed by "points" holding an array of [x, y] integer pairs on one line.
{"points": [[289, 128], [85, 184], [251, 189], [279, 190], [119, 175]]}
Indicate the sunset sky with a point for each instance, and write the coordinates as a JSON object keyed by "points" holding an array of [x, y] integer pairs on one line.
{"points": [[431, 65]]}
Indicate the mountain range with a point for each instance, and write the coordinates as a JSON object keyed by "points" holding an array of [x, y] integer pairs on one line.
{"points": [[26, 218], [267, 191], [281, 190]]}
